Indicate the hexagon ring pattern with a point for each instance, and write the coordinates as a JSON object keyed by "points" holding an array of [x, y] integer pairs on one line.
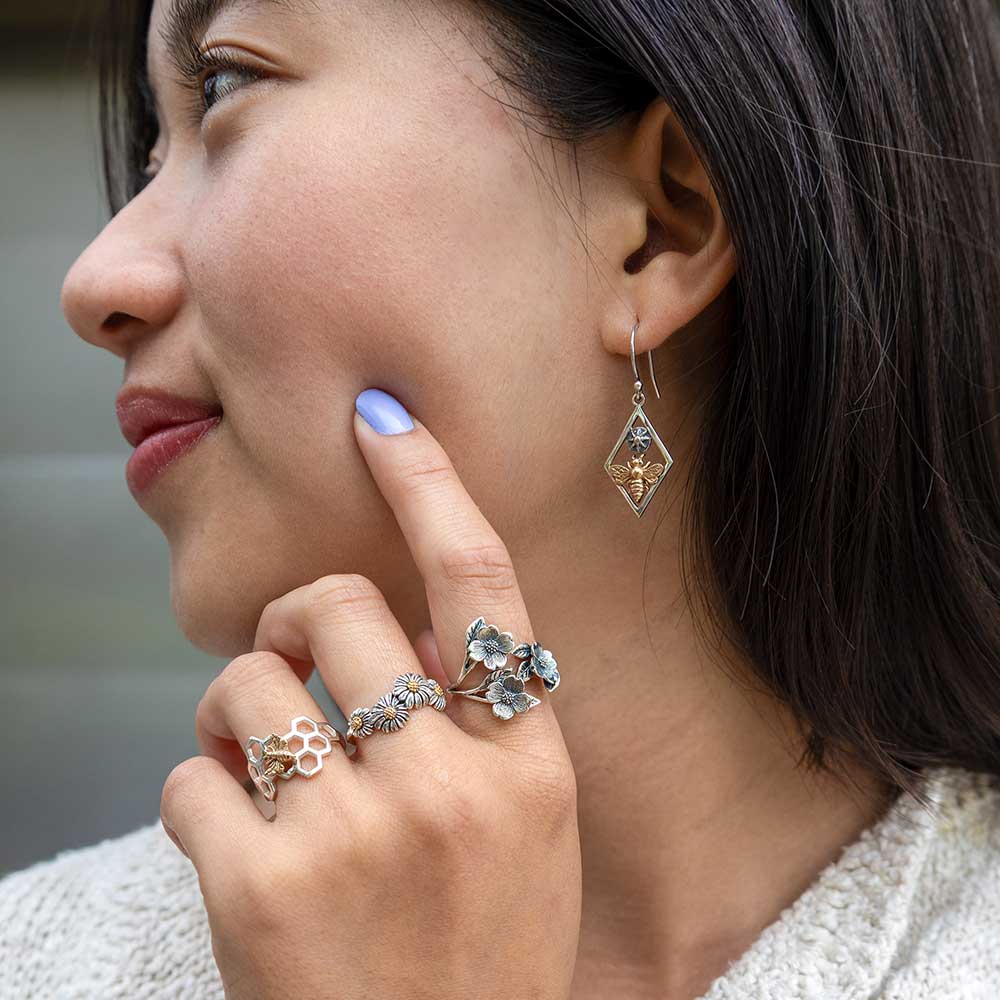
{"points": [[299, 751]]}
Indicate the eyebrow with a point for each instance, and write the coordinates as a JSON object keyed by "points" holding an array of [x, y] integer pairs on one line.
{"points": [[185, 21]]}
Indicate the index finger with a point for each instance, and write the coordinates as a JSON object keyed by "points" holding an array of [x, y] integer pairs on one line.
{"points": [[466, 567]]}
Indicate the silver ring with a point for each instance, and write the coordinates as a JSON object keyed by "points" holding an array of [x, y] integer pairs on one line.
{"points": [[273, 757], [391, 712], [504, 686]]}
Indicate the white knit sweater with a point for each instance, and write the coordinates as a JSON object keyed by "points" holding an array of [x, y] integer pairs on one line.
{"points": [[908, 911]]}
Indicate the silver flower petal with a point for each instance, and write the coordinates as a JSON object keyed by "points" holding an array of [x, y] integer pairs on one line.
{"points": [[519, 702], [541, 662], [478, 650], [389, 714], [544, 659], [435, 694], [503, 710], [491, 647], [359, 723], [495, 692], [410, 689], [512, 684]]}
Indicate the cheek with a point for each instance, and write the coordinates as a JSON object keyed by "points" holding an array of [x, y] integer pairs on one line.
{"points": [[330, 257], [423, 256], [420, 256]]}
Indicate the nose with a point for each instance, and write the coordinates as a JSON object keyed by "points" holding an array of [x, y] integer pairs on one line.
{"points": [[126, 282]]}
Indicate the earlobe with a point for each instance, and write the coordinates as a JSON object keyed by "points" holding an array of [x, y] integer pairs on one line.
{"points": [[673, 243]]}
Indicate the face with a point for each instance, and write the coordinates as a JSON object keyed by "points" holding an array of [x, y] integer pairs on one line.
{"points": [[364, 214]]}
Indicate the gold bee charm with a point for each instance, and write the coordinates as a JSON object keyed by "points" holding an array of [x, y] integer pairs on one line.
{"points": [[276, 758], [636, 476]]}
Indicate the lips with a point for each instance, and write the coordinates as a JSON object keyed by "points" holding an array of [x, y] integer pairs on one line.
{"points": [[162, 427], [142, 412]]}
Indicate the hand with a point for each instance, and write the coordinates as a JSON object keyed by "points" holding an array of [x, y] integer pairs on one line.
{"points": [[440, 860]]}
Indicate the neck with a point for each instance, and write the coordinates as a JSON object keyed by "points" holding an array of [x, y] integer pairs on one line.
{"points": [[697, 828]]}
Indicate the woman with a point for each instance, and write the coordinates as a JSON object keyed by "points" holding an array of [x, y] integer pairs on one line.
{"points": [[739, 262]]}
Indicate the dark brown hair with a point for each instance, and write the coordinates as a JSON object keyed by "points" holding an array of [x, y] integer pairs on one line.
{"points": [[845, 507]]}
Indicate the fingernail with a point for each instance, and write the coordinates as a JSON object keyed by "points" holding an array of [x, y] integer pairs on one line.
{"points": [[383, 412]]}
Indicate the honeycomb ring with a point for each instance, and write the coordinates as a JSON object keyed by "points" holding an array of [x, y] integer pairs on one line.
{"points": [[273, 757]]}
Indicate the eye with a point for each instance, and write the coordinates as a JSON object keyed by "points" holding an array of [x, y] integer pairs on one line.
{"points": [[211, 76], [206, 78], [223, 80]]}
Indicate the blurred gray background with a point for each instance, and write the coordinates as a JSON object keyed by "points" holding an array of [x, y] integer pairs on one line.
{"points": [[98, 686]]}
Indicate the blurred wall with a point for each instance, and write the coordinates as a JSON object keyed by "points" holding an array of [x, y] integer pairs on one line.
{"points": [[98, 686]]}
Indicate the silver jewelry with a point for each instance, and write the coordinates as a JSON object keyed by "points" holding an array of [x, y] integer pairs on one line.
{"points": [[274, 757], [391, 712], [638, 480], [504, 686]]}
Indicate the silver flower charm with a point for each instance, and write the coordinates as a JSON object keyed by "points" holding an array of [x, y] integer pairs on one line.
{"points": [[508, 696], [638, 439], [435, 693], [503, 685], [389, 713], [411, 690], [539, 661], [359, 723], [491, 647]]}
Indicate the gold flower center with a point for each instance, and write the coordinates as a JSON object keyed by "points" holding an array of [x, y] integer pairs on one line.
{"points": [[390, 712], [413, 685]]}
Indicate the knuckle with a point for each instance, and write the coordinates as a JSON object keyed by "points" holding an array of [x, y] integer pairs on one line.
{"points": [[363, 846], [452, 812], [342, 594], [272, 610], [246, 672], [273, 606], [481, 564], [359, 850], [426, 471], [263, 889], [554, 790], [181, 794]]}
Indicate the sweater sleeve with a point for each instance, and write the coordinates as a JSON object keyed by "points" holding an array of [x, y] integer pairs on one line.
{"points": [[122, 919]]}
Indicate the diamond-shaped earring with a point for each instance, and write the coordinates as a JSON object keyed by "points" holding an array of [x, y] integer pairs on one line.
{"points": [[638, 479]]}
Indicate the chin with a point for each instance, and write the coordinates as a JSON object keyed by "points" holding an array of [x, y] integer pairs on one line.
{"points": [[214, 607]]}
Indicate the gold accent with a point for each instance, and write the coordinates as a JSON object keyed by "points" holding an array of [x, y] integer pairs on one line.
{"points": [[636, 476], [276, 758]]}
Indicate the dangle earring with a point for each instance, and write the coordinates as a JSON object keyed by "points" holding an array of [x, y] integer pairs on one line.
{"points": [[638, 479]]}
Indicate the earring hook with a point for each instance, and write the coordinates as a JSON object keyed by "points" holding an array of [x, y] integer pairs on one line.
{"points": [[652, 374]]}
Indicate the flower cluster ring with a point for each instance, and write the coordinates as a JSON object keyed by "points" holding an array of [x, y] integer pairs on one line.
{"points": [[504, 686]]}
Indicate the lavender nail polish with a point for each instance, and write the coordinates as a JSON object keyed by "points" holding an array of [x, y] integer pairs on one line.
{"points": [[383, 412]]}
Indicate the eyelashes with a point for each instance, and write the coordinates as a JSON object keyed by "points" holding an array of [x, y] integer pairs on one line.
{"points": [[200, 72]]}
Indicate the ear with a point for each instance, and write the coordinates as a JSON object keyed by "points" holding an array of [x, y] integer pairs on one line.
{"points": [[669, 242]]}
